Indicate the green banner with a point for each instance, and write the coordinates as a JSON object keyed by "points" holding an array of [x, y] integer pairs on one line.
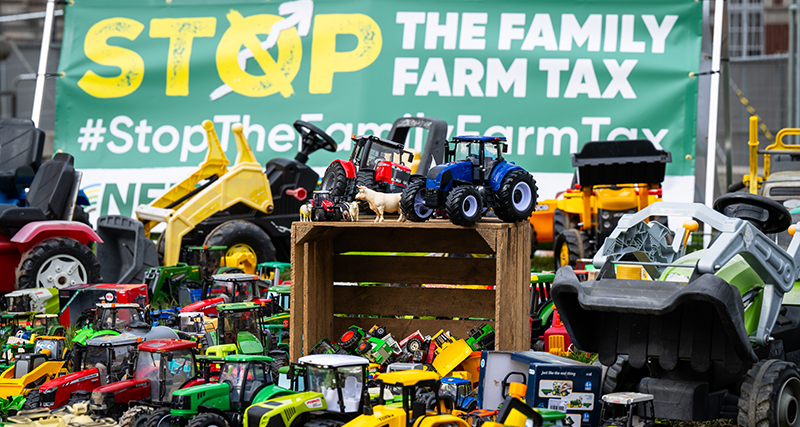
{"points": [[138, 78]]}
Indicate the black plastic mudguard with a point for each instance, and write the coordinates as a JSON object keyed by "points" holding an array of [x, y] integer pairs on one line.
{"points": [[702, 321]]}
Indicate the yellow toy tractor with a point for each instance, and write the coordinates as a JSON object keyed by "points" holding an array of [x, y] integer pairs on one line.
{"points": [[614, 178], [31, 370]]}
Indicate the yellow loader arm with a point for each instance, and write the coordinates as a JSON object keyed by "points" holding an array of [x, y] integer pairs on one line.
{"points": [[10, 386], [245, 182], [215, 164]]}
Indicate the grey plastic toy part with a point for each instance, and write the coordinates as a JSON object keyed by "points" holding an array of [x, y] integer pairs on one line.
{"points": [[126, 253], [776, 267], [647, 242]]}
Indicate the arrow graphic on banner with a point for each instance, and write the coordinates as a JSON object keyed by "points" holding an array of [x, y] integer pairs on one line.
{"points": [[300, 13]]}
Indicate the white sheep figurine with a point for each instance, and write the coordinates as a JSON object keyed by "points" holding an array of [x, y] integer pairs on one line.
{"points": [[353, 208], [305, 212], [380, 202]]}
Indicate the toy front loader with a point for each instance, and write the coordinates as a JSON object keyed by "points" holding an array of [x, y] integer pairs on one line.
{"points": [[244, 183]]}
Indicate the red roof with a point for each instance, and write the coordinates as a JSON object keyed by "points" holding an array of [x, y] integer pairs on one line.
{"points": [[163, 345]]}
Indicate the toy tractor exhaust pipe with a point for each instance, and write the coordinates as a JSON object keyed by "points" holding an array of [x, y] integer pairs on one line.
{"points": [[298, 193], [126, 253]]}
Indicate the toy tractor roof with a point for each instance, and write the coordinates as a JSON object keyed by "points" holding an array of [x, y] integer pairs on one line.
{"points": [[408, 378], [627, 398], [476, 138], [114, 340], [165, 345], [240, 277], [281, 289], [275, 264], [247, 358], [376, 139], [620, 162], [455, 381], [333, 360], [106, 305], [29, 292], [237, 306], [46, 316]]}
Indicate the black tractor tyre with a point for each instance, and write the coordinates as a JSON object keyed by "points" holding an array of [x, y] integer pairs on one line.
{"points": [[160, 249], [78, 399], [46, 252], [366, 178], [516, 197], [279, 361], [770, 395], [464, 205], [137, 416], [31, 400], [621, 376], [534, 241], [237, 232], [562, 221], [414, 345], [334, 180], [412, 202], [571, 242], [208, 419], [349, 340]]}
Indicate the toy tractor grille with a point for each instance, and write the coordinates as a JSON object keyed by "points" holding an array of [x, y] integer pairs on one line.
{"points": [[290, 411]]}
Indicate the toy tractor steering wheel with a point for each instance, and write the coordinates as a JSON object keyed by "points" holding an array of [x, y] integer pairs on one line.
{"points": [[765, 214], [314, 138]]}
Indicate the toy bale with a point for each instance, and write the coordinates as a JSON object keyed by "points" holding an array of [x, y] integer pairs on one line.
{"points": [[620, 162]]}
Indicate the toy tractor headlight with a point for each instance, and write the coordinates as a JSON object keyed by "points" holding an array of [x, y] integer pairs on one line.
{"points": [[605, 215], [50, 390], [182, 402]]}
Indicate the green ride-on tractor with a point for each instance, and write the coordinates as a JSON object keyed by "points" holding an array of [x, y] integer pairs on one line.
{"points": [[334, 388], [244, 379], [714, 334]]}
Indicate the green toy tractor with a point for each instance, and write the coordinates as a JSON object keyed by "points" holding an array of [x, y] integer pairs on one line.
{"points": [[334, 393], [113, 319], [243, 380]]}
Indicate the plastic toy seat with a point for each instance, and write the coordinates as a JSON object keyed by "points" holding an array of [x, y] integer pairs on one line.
{"points": [[12, 218], [21, 146]]}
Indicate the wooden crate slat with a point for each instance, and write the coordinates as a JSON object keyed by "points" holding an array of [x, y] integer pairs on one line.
{"points": [[412, 240], [401, 328], [414, 269], [402, 301]]}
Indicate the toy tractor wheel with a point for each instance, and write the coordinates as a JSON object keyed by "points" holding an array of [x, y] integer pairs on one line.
{"points": [[31, 400], [279, 360], [516, 197], [57, 263], [208, 420], [365, 177], [464, 205], [349, 339], [770, 395], [414, 345], [562, 221], [241, 235], [413, 201], [137, 416], [364, 348], [570, 246], [334, 180]]}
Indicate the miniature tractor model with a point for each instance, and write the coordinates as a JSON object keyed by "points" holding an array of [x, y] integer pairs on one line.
{"points": [[168, 281], [614, 178], [32, 300], [627, 410], [474, 178], [241, 330], [30, 370], [378, 163], [333, 394], [481, 337], [162, 367], [244, 380], [711, 328], [47, 324], [113, 319], [231, 288], [460, 390], [42, 246], [412, 412], [325, 207], [103, 360]]}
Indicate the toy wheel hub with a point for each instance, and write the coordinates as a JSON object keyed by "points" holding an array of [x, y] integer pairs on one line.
{"points": [[788, 406], [61, 271], [240, 248], [563, 254], [347, 336], [521, 196], [469, 206]]}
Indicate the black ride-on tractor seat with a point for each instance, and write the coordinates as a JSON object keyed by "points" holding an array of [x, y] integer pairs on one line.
{"points": [[21, 147]]}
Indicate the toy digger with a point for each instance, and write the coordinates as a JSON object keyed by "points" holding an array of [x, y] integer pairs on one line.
{"points": [[30, 369]]}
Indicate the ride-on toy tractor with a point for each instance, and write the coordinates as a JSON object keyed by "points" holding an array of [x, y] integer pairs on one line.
{"points": [[474, 178], [614, 178], [162, 367], [413, 412], [40, 244], [334, 388], [243, 381], [30, 370], [384, 165], [102, 361], [713, 328]]}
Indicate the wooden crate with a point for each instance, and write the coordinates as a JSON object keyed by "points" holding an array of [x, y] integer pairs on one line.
{"points": [[320, 258]]}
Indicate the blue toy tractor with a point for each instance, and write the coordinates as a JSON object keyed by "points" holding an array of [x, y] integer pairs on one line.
{"points": [[474, 178]]}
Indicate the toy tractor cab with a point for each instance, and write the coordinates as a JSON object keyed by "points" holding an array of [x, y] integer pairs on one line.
{"points": [[47, 324], [711, 328], [334, 389], [327, 207], [113, 319], [240, 329], [162, 367], [414, 412], [32, 300], [243, 380], [460, 390], [474, 178], [627, 410], [231, 288]]}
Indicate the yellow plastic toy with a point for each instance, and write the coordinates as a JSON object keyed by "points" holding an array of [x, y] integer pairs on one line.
{"points": [[47, 361], [407, 414], [245, 182]]}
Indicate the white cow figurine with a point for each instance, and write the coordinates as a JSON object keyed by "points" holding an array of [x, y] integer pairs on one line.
{"points": [[380, 202], [305, 212]]}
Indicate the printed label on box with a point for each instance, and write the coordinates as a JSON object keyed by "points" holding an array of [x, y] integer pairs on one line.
{"points": [[557, 404], [551, 388]]}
